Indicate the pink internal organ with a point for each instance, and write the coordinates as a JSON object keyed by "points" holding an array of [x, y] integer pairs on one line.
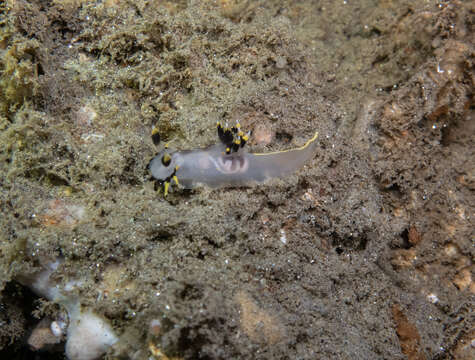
{"points": [[232, 165]]}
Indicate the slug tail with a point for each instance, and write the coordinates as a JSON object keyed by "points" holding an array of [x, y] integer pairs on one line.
{"points": [[281, 163]]}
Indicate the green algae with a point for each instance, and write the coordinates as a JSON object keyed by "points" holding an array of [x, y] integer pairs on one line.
{"points": [[18, 66]]}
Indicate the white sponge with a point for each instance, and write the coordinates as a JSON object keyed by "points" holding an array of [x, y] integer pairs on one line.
{"points": [[89, 336]]}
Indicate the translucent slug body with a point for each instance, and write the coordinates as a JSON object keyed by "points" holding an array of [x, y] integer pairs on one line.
{"points": [[227, 164]]}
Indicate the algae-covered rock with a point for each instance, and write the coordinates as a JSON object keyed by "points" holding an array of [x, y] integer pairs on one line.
{"points": [[19, 65]]}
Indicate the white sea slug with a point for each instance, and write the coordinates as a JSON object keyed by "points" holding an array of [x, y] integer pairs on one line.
{"points": [[226, 164]]}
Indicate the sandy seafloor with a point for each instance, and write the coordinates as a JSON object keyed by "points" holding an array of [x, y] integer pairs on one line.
{"points": [[365, 253]]}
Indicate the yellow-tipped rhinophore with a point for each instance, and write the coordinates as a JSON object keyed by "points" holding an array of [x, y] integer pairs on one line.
{"points": [[155, 136], [166, 159]]}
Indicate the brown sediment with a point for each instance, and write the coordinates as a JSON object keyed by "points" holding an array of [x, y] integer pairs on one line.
{"points": [[258, 324], [408, 335]]}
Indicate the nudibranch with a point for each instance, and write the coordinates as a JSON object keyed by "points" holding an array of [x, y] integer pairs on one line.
{"points": [[226, 164]]}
